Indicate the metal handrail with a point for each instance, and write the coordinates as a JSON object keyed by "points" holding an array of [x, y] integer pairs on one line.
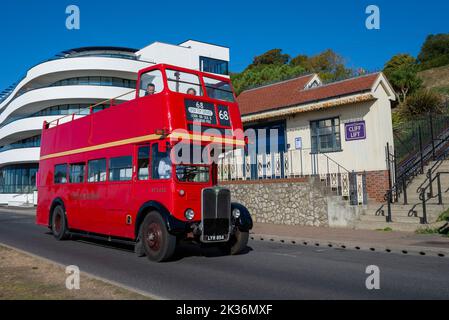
{"points": [[90, 108], [411, 170], [432, 169], [335, 162], [423, 193]]}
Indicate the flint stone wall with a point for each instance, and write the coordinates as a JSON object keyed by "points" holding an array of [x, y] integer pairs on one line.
{"points": [[282, 202]]}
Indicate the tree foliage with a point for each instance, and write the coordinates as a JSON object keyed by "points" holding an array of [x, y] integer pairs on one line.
{"points": [[397, 62], [402, 71], [434, 51], [328, 64], [263, 74], [274, 65], [273, 56]]}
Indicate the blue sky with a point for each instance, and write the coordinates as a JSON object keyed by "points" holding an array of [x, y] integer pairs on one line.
{"points": [[33, 31]]}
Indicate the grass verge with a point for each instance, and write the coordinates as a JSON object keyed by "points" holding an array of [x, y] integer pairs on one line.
{"points": [[23, 277]]}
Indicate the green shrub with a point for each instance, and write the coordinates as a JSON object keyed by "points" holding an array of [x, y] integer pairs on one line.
{"points": [[444, 216], [422, 102]]}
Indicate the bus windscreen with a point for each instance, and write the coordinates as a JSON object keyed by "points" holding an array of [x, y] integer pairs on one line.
{"points": [[217, 89]]}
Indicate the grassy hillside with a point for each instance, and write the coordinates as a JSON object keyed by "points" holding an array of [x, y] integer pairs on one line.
{"points": [[437, 78]]}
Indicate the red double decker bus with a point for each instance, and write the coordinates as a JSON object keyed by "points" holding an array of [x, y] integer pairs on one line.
{"points": [[145, 171]]}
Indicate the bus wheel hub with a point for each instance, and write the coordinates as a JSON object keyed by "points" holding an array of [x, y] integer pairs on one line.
{"points": [[154, 236]]}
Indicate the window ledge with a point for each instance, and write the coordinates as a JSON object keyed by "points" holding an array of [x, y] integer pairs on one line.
{"points": [[331, 151]]}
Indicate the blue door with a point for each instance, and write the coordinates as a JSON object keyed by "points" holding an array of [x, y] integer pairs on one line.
{"points": [[268, 143]]}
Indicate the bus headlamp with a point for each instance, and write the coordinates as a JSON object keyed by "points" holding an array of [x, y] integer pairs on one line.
{"points": [[189, 214], [236, 213]]}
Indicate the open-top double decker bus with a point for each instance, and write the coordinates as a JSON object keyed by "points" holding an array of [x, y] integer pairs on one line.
{"points": [[145, 171]]}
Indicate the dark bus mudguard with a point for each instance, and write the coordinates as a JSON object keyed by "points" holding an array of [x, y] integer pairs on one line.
{"points": [[244, 222], [174, 226]]}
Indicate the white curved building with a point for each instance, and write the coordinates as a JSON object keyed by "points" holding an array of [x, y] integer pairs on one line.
{"points": [[73, 80]]}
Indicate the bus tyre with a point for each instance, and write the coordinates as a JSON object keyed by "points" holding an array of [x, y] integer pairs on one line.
{"points": [[59, 223], [158, 243], [237, 243], [139, 249]]}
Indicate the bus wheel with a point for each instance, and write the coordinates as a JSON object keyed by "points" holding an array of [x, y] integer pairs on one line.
{"points": [[59, 223], [237, 243], [158, 243]]}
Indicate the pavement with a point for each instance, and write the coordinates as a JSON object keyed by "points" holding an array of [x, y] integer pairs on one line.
{"points": [[267, 270], [386, 241]]}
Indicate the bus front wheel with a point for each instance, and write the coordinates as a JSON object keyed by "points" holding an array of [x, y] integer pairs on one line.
{"points": [[59, 223], [158, 243], [237, 244]]}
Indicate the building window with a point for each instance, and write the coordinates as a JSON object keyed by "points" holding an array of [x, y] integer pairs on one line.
{"points": [[87, 81], [97, 170], [77, 173], [213, 65], [96, 81], [18, 178], [326, 135], [32, 142], [60, 173], [120, 169]]}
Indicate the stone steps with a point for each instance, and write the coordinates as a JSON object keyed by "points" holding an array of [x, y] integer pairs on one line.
{"points": [[402, 221], [399, 206], [399, 219], [381, 225]]}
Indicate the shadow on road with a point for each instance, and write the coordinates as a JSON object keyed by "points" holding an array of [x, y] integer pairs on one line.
{"points": [[188, 249], [185, 249]]}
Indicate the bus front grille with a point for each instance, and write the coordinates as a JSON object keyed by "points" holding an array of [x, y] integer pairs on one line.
{"points": [[216, 214]]}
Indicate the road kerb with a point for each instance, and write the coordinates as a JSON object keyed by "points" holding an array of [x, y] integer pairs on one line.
{"points": [[354, 245]]}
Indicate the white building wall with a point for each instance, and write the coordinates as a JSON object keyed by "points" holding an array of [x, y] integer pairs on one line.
{"points": [[359, 155], [185, 55]]}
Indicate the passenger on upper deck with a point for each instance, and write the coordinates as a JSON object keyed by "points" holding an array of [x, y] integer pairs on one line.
{"points": [[191, 91], [151, 88]]}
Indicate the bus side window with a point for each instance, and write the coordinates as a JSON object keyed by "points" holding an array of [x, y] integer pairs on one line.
{"points": [[96, 170], [143, 163], [151, 83], [160, 163], [120, 168], [77, 173], [60, 174]]}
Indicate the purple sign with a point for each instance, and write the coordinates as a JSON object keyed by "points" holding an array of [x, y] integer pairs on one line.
{"points": [[355, 130]]}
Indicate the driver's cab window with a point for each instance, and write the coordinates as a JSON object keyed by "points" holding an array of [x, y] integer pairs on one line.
{"points": [[151, 83], [184, 82]]}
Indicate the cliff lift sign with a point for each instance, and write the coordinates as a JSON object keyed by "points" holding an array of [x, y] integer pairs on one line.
{"points": [[355, 131]]}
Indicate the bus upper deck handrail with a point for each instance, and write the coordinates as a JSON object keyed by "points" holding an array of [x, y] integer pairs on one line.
{"points": [[90, 108]]}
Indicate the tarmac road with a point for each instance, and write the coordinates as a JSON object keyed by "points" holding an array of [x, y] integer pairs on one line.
{"points": [[266, 271]]}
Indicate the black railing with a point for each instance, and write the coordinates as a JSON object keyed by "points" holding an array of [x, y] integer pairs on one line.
{"points": [[427, 193], [350, 185], [402, 169]]}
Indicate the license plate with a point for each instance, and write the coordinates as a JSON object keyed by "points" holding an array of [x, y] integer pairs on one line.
{"points": [[216, 238], [215, 230]]}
